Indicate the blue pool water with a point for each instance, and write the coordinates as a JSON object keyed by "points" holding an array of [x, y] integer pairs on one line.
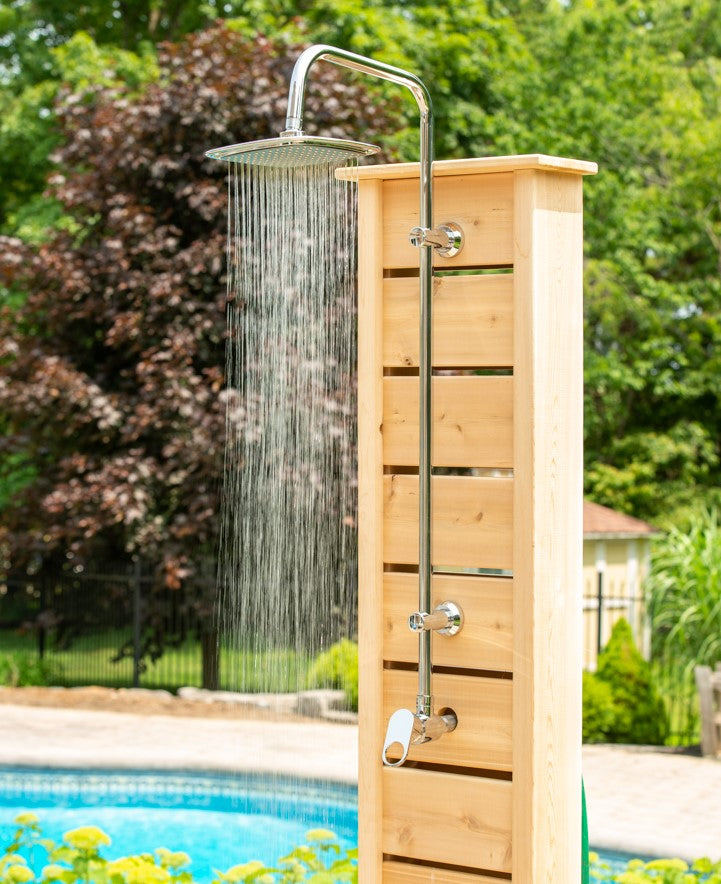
{"points": [[219, 819]]}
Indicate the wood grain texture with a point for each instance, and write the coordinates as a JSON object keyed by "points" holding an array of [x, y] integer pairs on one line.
{"points": [[482, 207], [472, 321], [474, 165], [443, 817], [484, 707], [525, 213], [547, 537], [486, 640], [370, 533], [405, 873], [472, 521], [472, 421]]}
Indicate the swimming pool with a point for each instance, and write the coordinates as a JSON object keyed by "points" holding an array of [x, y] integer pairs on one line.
{"points": [[219, 819]]}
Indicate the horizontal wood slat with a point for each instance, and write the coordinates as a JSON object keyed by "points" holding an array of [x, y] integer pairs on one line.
{"points": [[484, 707], [472, 321], [406, 873], [472, 521], [472, 421], [486, 640], [482, 205], [449, 818]]}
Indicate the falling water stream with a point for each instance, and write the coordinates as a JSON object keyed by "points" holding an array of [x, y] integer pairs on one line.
{"points": [[287, 580]]}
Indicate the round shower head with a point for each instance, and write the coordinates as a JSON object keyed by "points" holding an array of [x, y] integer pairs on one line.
{"points": [[292, 151]]}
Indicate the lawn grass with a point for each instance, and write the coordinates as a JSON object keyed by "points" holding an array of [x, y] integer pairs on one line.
{"points": [[90, 661]]}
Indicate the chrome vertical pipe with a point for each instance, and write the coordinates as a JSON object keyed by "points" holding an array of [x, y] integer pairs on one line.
{"points": [[424, 701]]}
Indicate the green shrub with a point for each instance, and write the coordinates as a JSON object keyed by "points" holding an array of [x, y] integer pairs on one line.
{"points": [[639, 712], [658, 871], [685, 612], [338, 668], [26, 670], [599, 713], [78, 861]]}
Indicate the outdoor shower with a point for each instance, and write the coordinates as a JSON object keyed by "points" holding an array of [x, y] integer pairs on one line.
{"points": [[293, 149], [485, 531]]}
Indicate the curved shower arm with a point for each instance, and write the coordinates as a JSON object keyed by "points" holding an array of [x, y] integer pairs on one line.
{"points": [[320, 51], [364, 65]]}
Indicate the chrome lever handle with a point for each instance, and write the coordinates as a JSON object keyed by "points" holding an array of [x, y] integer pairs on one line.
{"points": [[406, 728], [400, 730]]}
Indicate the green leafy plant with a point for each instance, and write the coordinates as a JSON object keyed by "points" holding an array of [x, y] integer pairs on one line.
{"points": [[685, 610], [685, 587], [78, 860], [338, 668], [26, 670], [639, 712], [599, 714], [658, 871]]}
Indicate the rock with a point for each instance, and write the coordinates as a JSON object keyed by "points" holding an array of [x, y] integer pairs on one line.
{"points": [[318, 703]]}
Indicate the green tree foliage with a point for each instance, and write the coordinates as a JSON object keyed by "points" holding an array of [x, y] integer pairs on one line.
{"points": [[111, 368], [29, 131], [29, 29], [634, 85], [471, 60], [639, 712], [636, 92]]}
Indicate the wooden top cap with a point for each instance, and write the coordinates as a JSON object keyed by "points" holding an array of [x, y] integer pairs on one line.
{"points": [[475, 166]]}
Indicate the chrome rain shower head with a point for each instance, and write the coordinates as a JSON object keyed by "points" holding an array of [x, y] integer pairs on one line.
{"points": [[292, 150]]}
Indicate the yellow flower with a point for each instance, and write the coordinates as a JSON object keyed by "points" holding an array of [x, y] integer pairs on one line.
{"points": [[240, 873], [86, 838], [18, 874], [320, 835], [138, 870]]}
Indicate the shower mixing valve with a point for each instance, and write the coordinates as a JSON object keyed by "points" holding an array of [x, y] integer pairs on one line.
{"points": [[406, 728], [447, 239]]}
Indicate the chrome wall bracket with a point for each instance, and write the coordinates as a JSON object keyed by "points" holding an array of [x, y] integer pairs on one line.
{"points": [[446, 239], [445, 619]]}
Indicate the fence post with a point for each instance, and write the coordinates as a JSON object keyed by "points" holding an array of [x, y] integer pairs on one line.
{"points": [[42, 618], [209, 628], [209, 651], [706, 708], [137, 601], [600, 572]]}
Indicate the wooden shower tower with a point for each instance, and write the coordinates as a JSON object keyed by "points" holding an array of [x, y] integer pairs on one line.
{"points": [[500, 797]]}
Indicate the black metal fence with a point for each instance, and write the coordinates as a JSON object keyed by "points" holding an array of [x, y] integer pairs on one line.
{"points": [[114, 625]]}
